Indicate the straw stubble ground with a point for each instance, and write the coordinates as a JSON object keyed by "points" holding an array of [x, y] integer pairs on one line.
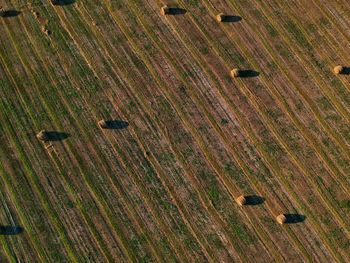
{"points": [[163, 188]]}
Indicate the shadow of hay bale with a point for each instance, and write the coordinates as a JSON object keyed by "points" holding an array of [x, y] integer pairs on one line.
{"points": [[10, 230], [113, 124], [254, 200], [57, 136], [52, 135], [10, 13], [230, 19], [176, 11], [294, 218], [248, 73], [62, 2], [345, 71]]}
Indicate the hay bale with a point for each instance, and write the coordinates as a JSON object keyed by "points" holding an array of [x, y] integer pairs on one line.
{"points": [[220, 17], [103, 124], [45, 31], [43, 135], [35, 13], [241, 200], [338, 70], [235, 73], [281, 219], [164, 10]]}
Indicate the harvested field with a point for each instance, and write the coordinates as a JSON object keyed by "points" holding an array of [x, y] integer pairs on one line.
{"points": [[168, 136]]}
